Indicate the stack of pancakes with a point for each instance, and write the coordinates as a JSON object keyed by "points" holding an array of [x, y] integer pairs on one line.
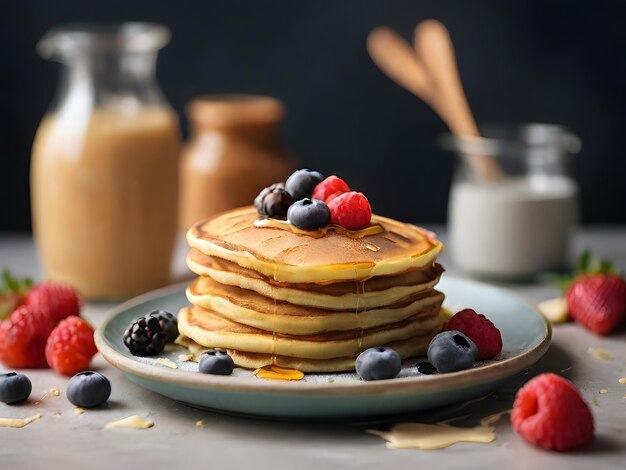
{"points": [[270, 293]]}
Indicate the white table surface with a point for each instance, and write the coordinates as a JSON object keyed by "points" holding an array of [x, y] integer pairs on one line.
{"points": [[62, 438]]}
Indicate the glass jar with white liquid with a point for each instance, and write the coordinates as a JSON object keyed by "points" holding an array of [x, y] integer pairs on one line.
{"points": [[519, 223]]}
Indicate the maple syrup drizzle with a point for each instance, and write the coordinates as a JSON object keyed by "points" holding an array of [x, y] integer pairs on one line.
{"points": [[235, 227], [273, 352], [373, 229], [274, 372], [360, 290]]}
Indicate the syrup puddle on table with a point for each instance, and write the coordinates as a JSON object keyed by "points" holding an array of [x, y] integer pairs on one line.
{"points": [[132, 422], [600, 354], [439, 435], [18, 422]]}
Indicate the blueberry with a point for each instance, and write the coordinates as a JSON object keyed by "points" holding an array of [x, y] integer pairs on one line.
{"points": [[216, 361], [273, 201], [451, 351], [309, 214], [378, 363], [426, 368], [88, 389], [14, 387], [302, 183]]}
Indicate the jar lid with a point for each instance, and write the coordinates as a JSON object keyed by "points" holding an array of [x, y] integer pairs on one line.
{"points": [[234, 110]]}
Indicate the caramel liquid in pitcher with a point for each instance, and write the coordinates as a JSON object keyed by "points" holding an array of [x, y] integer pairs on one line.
{"points": [[104, 199]]}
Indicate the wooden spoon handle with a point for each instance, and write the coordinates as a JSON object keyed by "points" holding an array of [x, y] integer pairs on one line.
{"points": [[395, 57], [434, 47]]}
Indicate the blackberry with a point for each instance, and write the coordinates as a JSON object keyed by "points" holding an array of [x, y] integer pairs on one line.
{"points": [[145, 337], [273, 201], [168, 323]]}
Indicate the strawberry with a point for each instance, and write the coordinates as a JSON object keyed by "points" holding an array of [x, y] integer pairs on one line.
{"points": [[23, 338], [596, 297], [12, 292], [60, 300], [598, 302]]}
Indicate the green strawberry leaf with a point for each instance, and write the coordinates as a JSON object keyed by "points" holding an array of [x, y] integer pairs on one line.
{"points": [[587, 264], [13, 284], [606, 266], [584, 262], [562, 282], [12, 292]]}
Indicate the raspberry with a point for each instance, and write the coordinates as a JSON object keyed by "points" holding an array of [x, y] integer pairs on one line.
{"points": [[59, 299], [23, 338], [480, 330], [330, 187], [351, 210], [71, 346], [550, 413], [333, 196]]}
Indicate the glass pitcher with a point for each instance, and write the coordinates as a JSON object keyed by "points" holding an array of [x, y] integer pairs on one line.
{"points": [[104, 169], [519, 224]]}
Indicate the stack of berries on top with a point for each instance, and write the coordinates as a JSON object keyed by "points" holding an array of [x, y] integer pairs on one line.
{"points": [[41, 327], [310, 201], [468, 337]]}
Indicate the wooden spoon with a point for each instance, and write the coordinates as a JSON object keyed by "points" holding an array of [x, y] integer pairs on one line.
{"points": [[431, 74], [397, 59]]}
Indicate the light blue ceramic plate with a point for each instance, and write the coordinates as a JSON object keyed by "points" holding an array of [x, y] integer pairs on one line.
{"points": [[525, 334]]}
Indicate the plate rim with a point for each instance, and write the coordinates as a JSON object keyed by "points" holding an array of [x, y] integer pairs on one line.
{"points": [[423, 384]]}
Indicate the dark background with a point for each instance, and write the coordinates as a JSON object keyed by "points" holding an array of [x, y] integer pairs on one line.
{"points": [[549, 61]]}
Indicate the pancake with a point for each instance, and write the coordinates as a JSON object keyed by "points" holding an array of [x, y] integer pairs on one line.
{"points": [[312, 300], [375, 292], [250, 308], [280, 251], [200, 262], [412, 347], [210, 329]]}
